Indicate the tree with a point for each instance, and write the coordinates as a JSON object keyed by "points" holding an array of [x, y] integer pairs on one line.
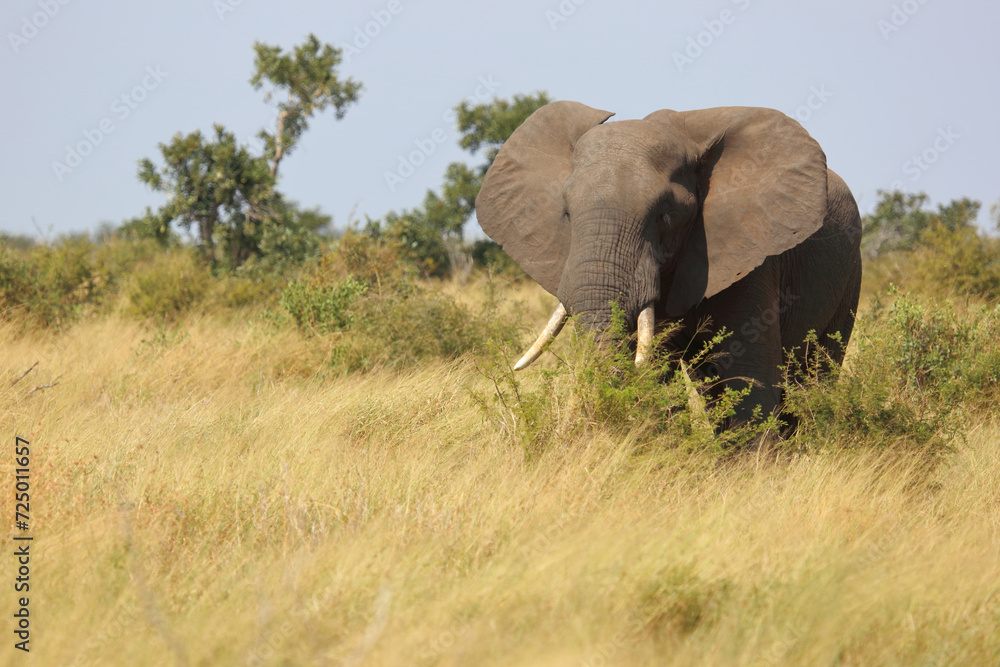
{"points": [[945, 252], [150, 225], [484, 127], [958, 214], [899, 220], [16, 241], [432, 233], [308, 77], [895, 224], [216, 185], [226, 191]]}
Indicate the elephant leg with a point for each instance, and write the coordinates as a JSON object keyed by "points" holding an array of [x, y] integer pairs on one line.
{"points": [[842, 322], [751, 310]]}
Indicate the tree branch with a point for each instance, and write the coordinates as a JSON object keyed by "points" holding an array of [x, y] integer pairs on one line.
{"points": [[279, 145]]}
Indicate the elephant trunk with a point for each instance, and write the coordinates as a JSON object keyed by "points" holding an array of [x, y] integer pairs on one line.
{"points": [[613, 259], [610, 262], [592, 304]]}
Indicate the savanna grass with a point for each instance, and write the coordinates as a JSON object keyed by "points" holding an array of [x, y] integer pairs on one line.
{"points": [[210, 497], [218, 490]]}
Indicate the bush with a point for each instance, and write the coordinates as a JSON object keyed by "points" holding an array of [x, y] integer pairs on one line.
{"points": [[942, 262], [489, 255], [373, 261], [67, 276], [366, 297], [319, 308], [16, 241], [403, 328], [916, 370], [50, 285], [598, 387], [959, 262], [169, 286], [21, 295], [237, 292]]}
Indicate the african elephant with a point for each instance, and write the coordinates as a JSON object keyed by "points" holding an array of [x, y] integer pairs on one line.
{"points": [[728, 213]]}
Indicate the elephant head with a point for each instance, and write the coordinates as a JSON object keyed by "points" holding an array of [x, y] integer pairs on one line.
{"points": [[654, 214]]}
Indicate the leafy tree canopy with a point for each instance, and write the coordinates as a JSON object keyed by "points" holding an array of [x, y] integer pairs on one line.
{"points": [[226, 191], [215, 185], [307, 76], [900, 219]]}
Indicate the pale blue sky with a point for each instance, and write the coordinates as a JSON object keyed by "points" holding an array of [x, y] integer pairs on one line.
{"points": [[888, 80]]}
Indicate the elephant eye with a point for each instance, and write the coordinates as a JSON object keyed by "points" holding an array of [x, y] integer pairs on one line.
{"points": [[666, 219]]}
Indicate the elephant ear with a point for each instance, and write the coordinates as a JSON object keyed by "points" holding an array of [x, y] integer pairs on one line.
{"points": [[762, 186], [520, 205]]}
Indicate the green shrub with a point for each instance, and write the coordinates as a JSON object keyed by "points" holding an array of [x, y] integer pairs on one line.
{"points": [[420, 244], [374, 261], [597, 386], [22, 297], [945, 263], [490, 256], [320, 308], [52, 284], [16, 241], [961, 262], [169, 286], [398, 328], [367, 298], [915, 370], [237, 292]]}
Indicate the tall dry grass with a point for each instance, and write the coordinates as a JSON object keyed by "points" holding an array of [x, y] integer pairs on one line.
{"points": [[209, 495]]}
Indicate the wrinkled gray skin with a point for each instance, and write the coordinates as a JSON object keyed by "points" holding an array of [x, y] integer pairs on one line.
{"points": [[729, 214]]}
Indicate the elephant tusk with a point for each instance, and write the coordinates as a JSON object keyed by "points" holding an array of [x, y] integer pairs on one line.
{"points": [[553, 327], [645, 335]]}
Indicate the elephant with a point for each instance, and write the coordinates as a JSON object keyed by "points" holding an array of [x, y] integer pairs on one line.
{"points": [[726, 215]]}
